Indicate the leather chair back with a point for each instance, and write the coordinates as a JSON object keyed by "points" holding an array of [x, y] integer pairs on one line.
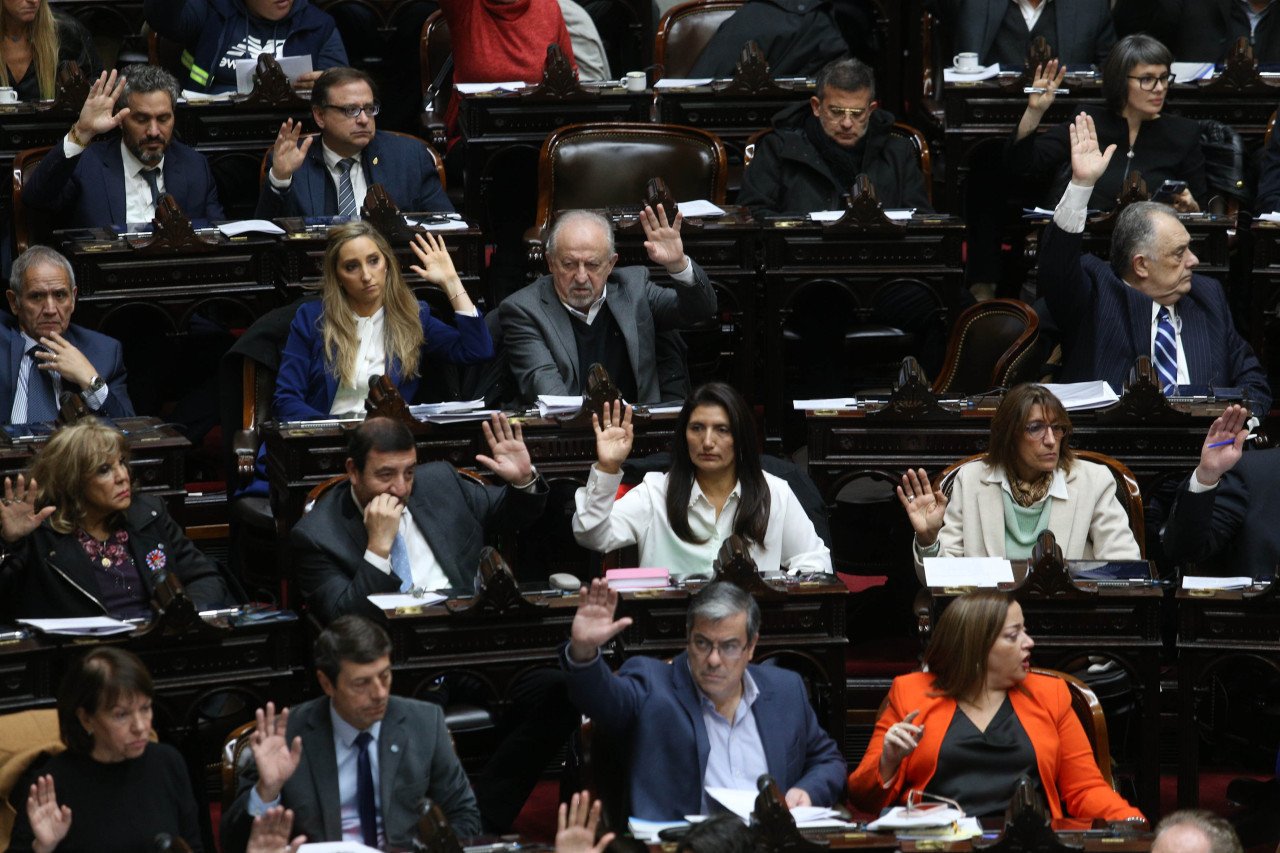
{"points": [[1224, 167], [236, 756], [991, 346], [685, 31], [30, 227]]}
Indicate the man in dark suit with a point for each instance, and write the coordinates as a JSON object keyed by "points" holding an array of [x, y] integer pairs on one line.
{"points": [[1079, 31], [1147, 302], [1203, 30], [1223, 517], [354, 764], [797, 38], [708, 718], [331, 179], [114, 183], [586, 312], [43, 356]]}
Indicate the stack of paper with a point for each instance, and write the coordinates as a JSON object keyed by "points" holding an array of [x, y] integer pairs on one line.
{"points": [[967, 571], [928, 817], [742, 801], [86, 626], [837, 403], [698, 207], [551, 405], [1083, 395], [951, 75], [394, 600], [1194, 582], [681, 82], [647, 830]]}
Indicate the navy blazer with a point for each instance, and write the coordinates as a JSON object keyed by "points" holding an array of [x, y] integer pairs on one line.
{"points": [[655, 705], [1106, 324], [305, 386], [403, 166], [88, 191], [104, 354], [1085, 32]]}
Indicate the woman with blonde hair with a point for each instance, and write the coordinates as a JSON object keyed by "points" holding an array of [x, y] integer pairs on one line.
{"points": [[35, 42], [367, 323], [977, 720], [77, 541]]}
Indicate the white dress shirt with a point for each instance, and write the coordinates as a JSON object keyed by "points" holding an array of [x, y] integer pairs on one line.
{"points": [[1183, 377], [426, 569], [371, 360], [1030, 13]]}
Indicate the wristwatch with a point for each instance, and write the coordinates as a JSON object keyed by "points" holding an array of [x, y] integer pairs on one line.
{"points": [[94, 387]]}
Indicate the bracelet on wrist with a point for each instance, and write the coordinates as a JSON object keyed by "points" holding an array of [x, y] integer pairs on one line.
{"points": [[456, 295], [75, 138]]}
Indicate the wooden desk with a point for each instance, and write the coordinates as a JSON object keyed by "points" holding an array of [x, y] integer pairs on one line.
{"points": [[733, 118], [1217, 629]]}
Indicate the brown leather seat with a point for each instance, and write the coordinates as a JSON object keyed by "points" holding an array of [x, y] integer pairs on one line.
{"points": [[685, 31], [434, 50], [30, 227], [992, 346], [1126, 489]]}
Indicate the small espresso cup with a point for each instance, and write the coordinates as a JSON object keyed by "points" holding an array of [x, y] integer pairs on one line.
{"points": [[635, 81], [8, 95], [965, 62]]}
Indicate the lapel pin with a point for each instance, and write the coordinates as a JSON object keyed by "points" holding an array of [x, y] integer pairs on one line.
{"points": [[375, 161], [395, 747]]}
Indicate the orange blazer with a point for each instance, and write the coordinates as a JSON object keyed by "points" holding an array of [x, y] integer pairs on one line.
{"points": [[1068, 773]]}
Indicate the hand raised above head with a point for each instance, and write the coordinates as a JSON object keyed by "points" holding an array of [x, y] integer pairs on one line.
{"points": [[509, 457], [1088, 160], [593, 623], [614, 436], [287, 156], [1049, 78], [926, 508], [275, 757], [661, 240], [98, 114], [18, 513]]}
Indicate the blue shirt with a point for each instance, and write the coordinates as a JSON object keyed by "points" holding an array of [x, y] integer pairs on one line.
{"points": [[736, 758]]}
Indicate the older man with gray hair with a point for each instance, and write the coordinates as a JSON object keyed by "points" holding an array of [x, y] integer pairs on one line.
{"points": [[710, 718], [88, 184], [586, 312], [1195, 831], [43, 356], [1148, 301]]}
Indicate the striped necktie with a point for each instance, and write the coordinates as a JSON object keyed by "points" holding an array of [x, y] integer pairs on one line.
{"points": [[1166, 350], [42, 402], [346, 195]]}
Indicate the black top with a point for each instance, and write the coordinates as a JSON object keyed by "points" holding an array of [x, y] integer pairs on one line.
{"points": [[75, 44], [115, 808], [980, 769], [601, 342], [1167, 148]]}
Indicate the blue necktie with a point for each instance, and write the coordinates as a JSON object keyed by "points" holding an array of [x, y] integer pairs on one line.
{"points": [[364, 792], [400, 563], [42, 403], [346, 195], [149, 175], [1166, 350]]}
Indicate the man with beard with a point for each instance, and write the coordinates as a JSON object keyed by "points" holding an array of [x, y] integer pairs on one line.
{"points": [[108, 183]]}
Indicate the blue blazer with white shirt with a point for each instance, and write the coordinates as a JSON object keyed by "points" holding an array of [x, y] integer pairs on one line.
{"points": [[1106, 324], [403, 166], [88, 191], [655, 705], [103, 352]]}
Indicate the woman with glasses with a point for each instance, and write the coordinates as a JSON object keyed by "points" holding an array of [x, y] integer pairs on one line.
{"points": [[1028, 482], [1135, 83], [367, 324], [976, 721]]}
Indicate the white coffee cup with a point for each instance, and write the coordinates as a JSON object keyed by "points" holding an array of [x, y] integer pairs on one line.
{"points": [[635, 81], [965, 62], [8, 95]]}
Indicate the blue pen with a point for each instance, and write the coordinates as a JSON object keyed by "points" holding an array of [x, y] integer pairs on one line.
{"points": [[1249, 437]]}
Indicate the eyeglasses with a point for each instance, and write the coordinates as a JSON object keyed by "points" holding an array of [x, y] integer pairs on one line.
{"points": [[916, 798], [854, 113], [354, 110], [729, 649], [1036, 430], [1148, 83]]}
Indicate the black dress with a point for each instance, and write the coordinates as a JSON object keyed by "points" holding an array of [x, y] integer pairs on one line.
{"points": [[117, 807]]}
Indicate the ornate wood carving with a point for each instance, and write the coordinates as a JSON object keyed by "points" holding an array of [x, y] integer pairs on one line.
{"points": [[863, 213], [1026, 827], [435, 835], [1047, 575], [1240, 74], [559, 80], [70, 91], [172, 233], [384, 401], [271, 87], [773, 821], [912, 397], [658, 193], [752, 75], [1134, 189], [1039, 52], [174, 614], [381, 212], [601, 390], [72, 409], [496, 591], [734, 564], [1142, 399]]}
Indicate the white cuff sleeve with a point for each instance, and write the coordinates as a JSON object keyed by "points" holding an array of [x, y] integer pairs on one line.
{"points": [[474, 312], [1195, 487], [685, 276], [96, 400], [278, 184], [1073, 208], [70, 149], [256, 805], [382, 564]]}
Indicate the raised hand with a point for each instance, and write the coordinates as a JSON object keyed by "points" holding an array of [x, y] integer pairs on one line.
{"points": [[662, 241], [270, 832], [1048, 77], [436, 266], [98, 113], [593, 624], [510, 458], [18, 513], [1088, 161], [613, 439], [925, 507], [65, 359], [274, 756], [287, 156], [49, 821], [577, 822], [900, 740], [1216, 461]]}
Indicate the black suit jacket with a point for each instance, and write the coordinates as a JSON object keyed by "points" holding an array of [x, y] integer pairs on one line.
{"points": [[104, 353], [415, 760], [1230, 530], [451, 509], [1085, 33], [1199, 30]]}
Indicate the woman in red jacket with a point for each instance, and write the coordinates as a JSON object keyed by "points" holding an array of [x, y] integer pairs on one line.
{"points": [[977, 720]]}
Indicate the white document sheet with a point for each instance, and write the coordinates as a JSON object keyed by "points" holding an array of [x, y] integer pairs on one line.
{"points": [[967, 571]]}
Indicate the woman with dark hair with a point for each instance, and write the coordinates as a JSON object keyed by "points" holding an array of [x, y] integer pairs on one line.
{"points": [[76, 541], [1029, 481], [113, 789], [36, 42], [715, 488], [976, 721], [1135, 83], [368, 323]]}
